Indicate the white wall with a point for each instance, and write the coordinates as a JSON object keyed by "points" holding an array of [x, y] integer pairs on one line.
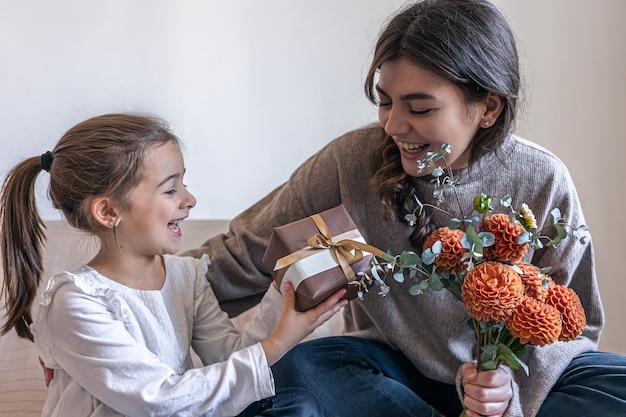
{"points": [[575, 67], [255, 87]]}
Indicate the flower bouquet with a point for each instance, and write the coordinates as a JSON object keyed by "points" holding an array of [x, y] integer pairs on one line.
{"points": [[478, 258]]}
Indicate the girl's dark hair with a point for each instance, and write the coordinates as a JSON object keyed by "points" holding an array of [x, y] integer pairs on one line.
{"points": [[469, 43], [101, 156]]}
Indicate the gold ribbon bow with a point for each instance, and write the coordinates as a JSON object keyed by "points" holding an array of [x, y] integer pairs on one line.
{"points": [[341, 251]]}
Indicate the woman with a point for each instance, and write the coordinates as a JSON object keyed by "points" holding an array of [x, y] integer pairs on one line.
{"points": [[443, 72]]}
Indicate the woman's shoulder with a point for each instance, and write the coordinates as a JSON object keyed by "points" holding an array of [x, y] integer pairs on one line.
{"points": [[522, 152], [351, 150], [370, 134], [532, 149]]}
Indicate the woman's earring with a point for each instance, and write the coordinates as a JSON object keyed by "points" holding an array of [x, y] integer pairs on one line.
{"points": [[488, 122], [110, 224]]}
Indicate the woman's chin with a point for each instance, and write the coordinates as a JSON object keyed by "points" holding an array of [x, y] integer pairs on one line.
{"points": [[410, 167]]}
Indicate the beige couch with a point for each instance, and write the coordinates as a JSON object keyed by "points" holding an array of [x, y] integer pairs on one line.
{"points": [[22, 390]]}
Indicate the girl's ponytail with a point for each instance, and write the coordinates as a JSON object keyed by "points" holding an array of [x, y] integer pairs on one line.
{"points": [[22, 235]]}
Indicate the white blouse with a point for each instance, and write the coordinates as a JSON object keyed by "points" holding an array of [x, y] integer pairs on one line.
{"points": [[122, 351]]}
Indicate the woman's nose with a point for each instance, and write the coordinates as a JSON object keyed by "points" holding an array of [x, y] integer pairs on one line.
{"points": [[394, 121]]}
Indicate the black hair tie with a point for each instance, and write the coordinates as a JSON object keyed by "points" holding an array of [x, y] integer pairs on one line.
{"points": [[46, 161]]}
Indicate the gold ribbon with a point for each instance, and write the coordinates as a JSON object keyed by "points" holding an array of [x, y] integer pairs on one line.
{"points": [[341, 251]]}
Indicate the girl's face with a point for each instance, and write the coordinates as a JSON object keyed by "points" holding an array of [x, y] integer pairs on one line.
{"points": [[157, 204], [422, 111]]}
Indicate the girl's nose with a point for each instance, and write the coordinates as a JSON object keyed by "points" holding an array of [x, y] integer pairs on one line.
{"points": [[189, 200]]}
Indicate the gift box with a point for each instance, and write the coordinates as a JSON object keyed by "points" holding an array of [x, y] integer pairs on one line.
{"points": [[319, 255]]}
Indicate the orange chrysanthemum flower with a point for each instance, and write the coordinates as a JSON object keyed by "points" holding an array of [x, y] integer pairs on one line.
{"points": [[535, 322], [451, 252], [568, 304], [506, 234], [533, 281], [491, 290]]}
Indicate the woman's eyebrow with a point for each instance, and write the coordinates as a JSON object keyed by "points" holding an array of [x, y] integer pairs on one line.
{"points": [[410, 96]]}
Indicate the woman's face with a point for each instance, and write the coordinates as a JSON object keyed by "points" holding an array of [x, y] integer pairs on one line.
{"points": [[421, 111]]}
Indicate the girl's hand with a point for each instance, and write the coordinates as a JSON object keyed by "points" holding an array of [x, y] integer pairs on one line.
{"points": [[487, 393], [48, 373], [293, 326]]}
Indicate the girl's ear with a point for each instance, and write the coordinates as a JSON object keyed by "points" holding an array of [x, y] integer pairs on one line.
{"points": [[493, 107], [105, 211]]}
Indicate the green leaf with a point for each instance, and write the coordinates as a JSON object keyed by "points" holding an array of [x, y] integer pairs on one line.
{"points": [[437, 247], [415, 290], [562, 233], [455, 288], [471, 234], [486, 238], [398, 276], [428, 257], [524, 237], [454, 224], [488, 366], [409, 259], [511, 359], [435, 282], [556, 215]]}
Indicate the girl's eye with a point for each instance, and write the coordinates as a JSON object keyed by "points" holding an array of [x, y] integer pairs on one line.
{"points": [[383, 104], [171, 192]]}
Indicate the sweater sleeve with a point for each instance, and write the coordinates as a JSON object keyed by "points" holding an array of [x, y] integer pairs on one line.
{"points": [[236, 272]]}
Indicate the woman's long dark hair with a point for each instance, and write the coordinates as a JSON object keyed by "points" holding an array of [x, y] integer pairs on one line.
{"points": [[469, 43]]}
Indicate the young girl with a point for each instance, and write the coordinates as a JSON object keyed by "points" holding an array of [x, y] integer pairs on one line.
{"points": [[118, 331], [443, 72]]}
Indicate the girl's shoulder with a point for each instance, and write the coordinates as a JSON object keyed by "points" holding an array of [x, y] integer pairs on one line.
{"points": [[186, 272]]}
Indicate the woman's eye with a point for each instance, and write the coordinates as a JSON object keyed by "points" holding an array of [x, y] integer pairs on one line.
{"points": [[421, 112], [171, 192], [383, 104]]}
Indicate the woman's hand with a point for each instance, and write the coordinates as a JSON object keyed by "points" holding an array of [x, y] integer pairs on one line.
{"points": [[487, 393], [293, 326]]}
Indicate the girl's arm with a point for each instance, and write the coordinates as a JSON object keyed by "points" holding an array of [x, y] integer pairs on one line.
{"points": [[95, 350]]}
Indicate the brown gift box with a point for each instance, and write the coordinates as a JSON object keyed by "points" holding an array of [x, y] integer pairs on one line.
{"points": [[316, 272]]}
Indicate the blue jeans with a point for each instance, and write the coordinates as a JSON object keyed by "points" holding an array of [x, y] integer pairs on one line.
{"points": [[352, 376], [288, 402], [594, 384]]}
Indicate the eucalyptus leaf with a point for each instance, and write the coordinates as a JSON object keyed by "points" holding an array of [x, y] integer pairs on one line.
{"points": [[428, 257], [524, 237], [435, 282], [556, 215], [486, 238], [454, 223], [415, 290], [409, 259]]}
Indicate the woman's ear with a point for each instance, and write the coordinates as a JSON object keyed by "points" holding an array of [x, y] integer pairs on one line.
{"points": [[493, 107], [105, 212]]}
